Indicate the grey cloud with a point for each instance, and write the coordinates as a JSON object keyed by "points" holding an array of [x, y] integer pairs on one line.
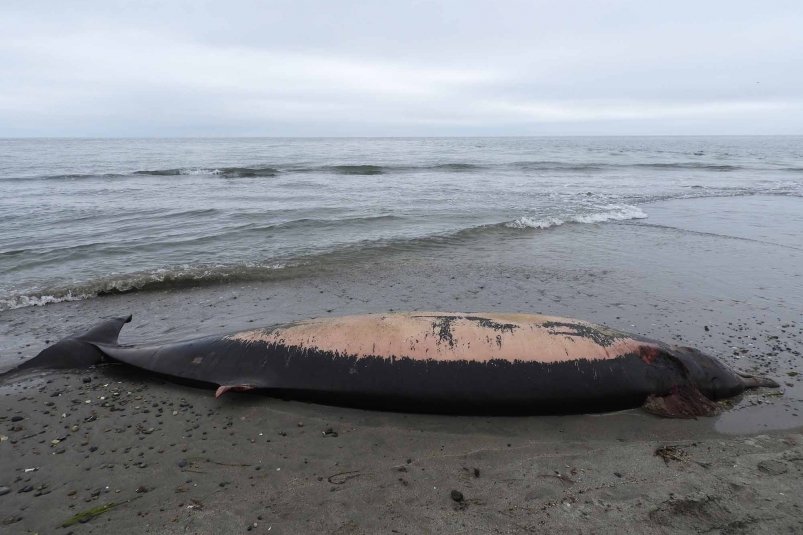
{"points": [[420, 68]]}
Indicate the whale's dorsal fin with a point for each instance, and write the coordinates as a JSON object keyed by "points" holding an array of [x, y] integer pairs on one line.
{"points": [[106, 332]]}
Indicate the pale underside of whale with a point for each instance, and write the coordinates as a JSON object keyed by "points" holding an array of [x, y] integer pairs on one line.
{"points": [[452, 337]]}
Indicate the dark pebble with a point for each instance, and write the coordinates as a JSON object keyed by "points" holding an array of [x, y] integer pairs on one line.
{"points": [[26, 488], [456, 495], [17, 418], [4, 491], [87, 379], [182, 463]]}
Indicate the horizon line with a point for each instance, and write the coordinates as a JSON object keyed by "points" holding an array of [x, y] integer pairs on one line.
{"points": [[12, 138]]}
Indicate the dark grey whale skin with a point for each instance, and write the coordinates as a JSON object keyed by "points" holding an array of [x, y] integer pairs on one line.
{"points": [[404, 384]]}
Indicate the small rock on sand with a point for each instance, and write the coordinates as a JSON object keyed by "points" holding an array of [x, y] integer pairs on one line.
{"points": [[773, 467]]}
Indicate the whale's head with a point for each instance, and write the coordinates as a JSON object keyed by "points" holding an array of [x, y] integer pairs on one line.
{"points": [[714, 379]]}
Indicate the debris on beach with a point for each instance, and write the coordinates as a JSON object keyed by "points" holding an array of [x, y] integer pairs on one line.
{"points": [[671, 453]]}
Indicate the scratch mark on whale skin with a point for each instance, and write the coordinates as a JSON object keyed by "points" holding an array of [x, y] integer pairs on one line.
{"points": [[442, 327], [491, 324], [604, 338]]}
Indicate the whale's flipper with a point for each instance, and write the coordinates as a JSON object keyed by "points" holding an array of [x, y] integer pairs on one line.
{"points": [[222, 389], [76, 351]]}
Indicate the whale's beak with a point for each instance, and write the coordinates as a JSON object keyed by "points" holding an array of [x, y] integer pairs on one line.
{"points": [[751, 381]]}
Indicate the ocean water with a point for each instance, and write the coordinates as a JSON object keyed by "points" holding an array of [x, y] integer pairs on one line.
{"points": [[81, 218]]}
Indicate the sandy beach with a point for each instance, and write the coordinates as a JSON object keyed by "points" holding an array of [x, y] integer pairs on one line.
{"points": [[147, 457], [108, 449]]}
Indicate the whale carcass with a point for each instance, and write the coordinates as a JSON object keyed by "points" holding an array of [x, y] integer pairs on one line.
{"points": [[432, 362]]}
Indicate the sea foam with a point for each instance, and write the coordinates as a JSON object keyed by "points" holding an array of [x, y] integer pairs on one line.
{"points": [[611, 212]]}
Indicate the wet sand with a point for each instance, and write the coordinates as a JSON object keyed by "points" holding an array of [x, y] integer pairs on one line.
{"points": [[175, 460], [97, 437]]}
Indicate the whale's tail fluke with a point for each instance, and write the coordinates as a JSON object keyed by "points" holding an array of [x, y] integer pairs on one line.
{"points": [[77, 351]]}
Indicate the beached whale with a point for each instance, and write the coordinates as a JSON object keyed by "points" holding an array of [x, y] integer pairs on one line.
{"points": [[433, 362]]}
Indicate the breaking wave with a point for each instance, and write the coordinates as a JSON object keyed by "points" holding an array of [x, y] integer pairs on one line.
{"points": [[186, 276], [159, 279], [611, 212], [351, 169], [270, 170], [453, 167], [226, 172]]}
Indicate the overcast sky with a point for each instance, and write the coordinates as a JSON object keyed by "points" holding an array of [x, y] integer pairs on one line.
{"points": [[310, 68]]}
